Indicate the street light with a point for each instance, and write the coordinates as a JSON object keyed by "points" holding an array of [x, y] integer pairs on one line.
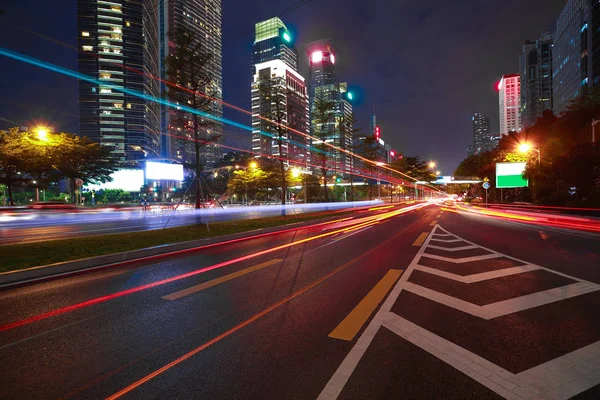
{"points": [[437, 173], [432, 164], [253, 164], [526, 147], [42, 133], [295, 172]]}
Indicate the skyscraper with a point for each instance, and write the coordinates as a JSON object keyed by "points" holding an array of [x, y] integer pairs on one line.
{"points": [[572, 53], [509, 94], [203, 18], [278, 94], [118, 43], [324, 84], [536, 79], [273, 41], [482, 138]]}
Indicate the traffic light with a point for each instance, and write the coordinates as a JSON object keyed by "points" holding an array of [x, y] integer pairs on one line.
{"points": [[338, 180]]}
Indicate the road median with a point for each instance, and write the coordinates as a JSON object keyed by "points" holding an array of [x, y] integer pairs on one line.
{"points": [[31, 261]]}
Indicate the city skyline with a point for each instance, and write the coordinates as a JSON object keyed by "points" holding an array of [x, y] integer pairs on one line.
{"points": [[394, 94]]}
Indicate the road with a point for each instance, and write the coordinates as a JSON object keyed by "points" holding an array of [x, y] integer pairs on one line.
{"points": [[396, 303], [43, 226]]}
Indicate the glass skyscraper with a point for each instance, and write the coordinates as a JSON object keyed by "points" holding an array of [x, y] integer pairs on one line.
{"points": [[536, 79], [275, 66], [118, 43], [203, 17], [572, 53]]}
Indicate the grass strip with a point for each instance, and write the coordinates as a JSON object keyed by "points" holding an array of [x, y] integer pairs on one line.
{"points": [[19, 256]]}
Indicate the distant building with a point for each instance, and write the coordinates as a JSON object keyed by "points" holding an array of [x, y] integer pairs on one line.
{"points": [[323, 84], [481, 133], [509, 94], [273, 41], [275, 65], [572, 53], [336, 133], [536, 79], [116, 39], [470, 150], [203, 18]]}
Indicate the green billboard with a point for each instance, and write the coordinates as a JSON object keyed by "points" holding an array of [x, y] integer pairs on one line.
{"points": [[510, 175]]}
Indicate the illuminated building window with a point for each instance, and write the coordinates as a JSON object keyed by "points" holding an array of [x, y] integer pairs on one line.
{"points": [[127, 23], [84, 33], [118, 105], [128, 105], [116, 29], [105, 90], [104, 76], [87, 48], [115, 8]]}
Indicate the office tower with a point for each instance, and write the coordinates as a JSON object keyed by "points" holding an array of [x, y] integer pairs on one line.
{"points": [[203, 19], [572, 53], [481, 133], [118, 43], [273, 41], [536, 79], [279, 95], [509, 93], [321, 58], [337, 131]]}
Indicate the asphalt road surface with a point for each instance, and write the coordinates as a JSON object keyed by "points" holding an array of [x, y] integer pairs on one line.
{"points": [[30, 227], [396, 303]]}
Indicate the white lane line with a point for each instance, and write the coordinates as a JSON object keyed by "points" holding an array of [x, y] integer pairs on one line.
{"points": [[446, 240], [464, 259], [334, 387], [483, 276], [469, 247], [581, 367]]}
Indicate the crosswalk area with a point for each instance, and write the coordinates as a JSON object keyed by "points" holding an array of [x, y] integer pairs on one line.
{"points": [[521, 330]]}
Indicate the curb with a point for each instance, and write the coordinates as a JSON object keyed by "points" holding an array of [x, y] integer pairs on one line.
{"points": [[51, 271]]}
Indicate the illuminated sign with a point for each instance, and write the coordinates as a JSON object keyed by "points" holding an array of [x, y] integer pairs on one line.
{"points": [[349, 95], [332, 58], [377, 132], [392, 153], [163, 171], [287, 37], [129, 180], [499, 85], [510, 175], [317, 56]]}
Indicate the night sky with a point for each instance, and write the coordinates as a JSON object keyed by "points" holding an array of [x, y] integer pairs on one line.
{"points": [[424, 65]]}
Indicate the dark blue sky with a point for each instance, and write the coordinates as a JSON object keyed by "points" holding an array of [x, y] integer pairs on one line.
{"points": [[424, 64]]}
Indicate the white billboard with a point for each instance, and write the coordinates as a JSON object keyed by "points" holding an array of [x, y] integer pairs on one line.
{"points": [[163, 171], [129, 180]]}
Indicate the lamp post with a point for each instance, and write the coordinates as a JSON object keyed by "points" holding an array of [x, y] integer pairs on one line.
{"points": [[594, 122], [37, 191], [379, 164]]}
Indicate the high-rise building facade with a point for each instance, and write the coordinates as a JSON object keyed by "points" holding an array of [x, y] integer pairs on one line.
{"points": [[273, 41], [203, 19], [509, 95], [535, 64], [118, 43], [278, 92], [321, 59], [482, 138], [572, 53]]}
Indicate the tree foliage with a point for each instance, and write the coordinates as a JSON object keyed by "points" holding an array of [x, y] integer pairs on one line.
{"points": [[322, 118]]}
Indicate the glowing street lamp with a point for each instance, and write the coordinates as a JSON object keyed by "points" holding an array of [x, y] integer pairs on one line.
{"points": [[295, 172], [42, 133], [432, 164], [253, 164], [437, 173], [526, 147]]}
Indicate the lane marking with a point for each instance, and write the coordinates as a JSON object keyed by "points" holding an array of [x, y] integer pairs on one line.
{"points": [[439, 216], [420, 239], [380, 208], [349, 327], [433, 223], [222, 279], [241, 325]]}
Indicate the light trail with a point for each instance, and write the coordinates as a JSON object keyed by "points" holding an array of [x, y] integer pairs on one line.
{"points": [[52, 67], [344, 226]]}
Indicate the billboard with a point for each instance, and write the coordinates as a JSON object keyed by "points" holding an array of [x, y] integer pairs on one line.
{"points": [[163, 171], [510, 175], [129, 180]]}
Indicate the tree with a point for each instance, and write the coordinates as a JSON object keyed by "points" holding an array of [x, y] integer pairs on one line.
{"points": [[80, 158], [273, 94], [322, 115], [188, 66], [12, 158]]}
